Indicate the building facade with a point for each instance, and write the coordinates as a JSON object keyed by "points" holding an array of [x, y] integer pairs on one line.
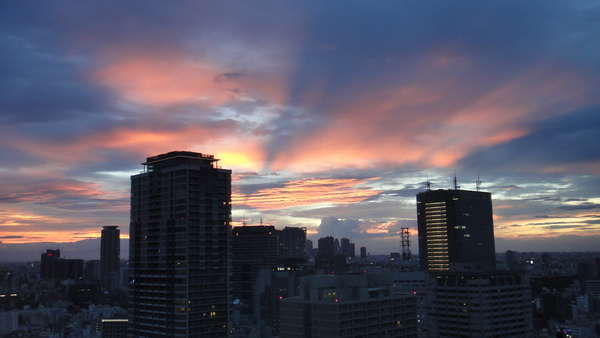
{"points": [[463, 304], [253, 248], [292, 244], [110, 257], [326, 246], [179, 247], [348, 306], [456, 230]]}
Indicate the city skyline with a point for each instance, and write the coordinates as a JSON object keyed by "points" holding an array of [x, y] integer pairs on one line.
{"points": [[331, 118]]}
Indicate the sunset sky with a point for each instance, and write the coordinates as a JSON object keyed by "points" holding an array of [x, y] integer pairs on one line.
{"points": [[332, 115]]}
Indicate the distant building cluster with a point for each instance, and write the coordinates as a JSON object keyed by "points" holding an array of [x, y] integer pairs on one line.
{"points": [[191, 274]]}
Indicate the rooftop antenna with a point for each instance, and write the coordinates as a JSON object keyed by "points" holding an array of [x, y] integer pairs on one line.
{"points": [[456, 186], [244, 220], [478, 183], [261, 222], [428, 184]]}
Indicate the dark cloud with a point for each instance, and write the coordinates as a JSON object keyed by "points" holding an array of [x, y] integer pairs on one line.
{"points": [[563, 243], [550, 217], [248, 189], [39, 85], [230, 76], [582, 206], [571, 138]]}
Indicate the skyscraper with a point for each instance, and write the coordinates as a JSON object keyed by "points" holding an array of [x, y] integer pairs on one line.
{"points": [[110, 256], [179, 250], [456, 230], [466, 295]]}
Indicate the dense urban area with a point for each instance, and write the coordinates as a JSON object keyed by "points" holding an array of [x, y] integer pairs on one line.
{"points": [[565, 294]]}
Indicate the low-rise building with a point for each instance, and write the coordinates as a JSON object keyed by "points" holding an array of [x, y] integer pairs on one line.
{"points": [[479, 305], [348, 306]]}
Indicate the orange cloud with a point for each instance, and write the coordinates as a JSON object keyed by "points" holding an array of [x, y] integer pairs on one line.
{"points": [[54, 236], [162, 78], [307, 192], [165, 80]]}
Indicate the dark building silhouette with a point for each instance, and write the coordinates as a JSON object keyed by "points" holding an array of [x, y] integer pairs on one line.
{"points": [[92, 269], [52, 266], [292, 244], [47, 261], [179, 247], [331, 264], [84, 292], [309, 248], [344, 246], [328, 260], [67, 269], [326, 246], [253, 248], [363, 252], [352, 250], [456, 230], [511, 260], [110, 257]]}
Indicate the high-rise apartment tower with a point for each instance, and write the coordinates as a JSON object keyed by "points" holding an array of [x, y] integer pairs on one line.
{"points": [[179, 249]]}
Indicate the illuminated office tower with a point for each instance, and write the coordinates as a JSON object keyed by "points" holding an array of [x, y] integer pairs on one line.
{"points": [[110, 256], [456, 230], [179, 247]]}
